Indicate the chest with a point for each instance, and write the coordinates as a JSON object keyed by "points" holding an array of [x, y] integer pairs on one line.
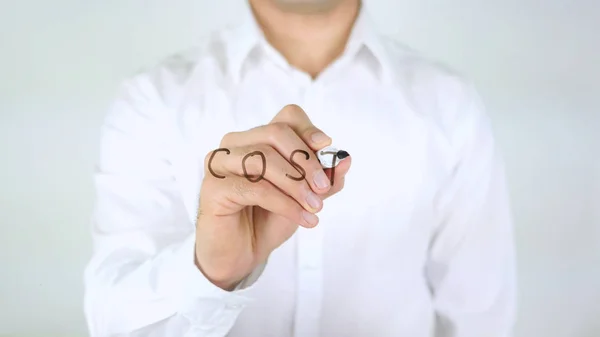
{"points": [[376, 228], [390, 177]]}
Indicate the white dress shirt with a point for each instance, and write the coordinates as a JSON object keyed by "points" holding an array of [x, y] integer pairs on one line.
{"points": [[418, 243]]}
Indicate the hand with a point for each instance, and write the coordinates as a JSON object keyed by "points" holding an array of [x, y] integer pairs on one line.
{"points": [[240, 222]]}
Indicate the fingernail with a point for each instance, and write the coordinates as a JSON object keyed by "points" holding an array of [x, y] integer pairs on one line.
{"points": [[319, 137], [313, 200], [321, 180], [310, 218]]}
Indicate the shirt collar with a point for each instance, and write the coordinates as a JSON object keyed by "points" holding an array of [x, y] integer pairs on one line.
{"points": [[248, 35], [365, 36], [242, 40]]}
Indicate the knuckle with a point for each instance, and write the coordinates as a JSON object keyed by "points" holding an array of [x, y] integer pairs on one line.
{"points": [[254, 164], [265, 149], [227, 138], [246, 150], [207, 158], [279, 128], [270, 153], [215, 155], [278, 131], [292, 113], [291, 110]]}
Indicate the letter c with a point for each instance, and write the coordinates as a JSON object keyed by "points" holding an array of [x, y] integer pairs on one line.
{"points": [[212, 156]]}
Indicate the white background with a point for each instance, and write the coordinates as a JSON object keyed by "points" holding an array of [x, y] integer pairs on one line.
{"points": [[536, 62]]}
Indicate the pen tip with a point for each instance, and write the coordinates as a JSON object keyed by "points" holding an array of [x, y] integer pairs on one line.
{"points": [[342, 154]]}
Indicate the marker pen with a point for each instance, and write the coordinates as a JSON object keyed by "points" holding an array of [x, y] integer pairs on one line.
{"points": [[330, 156]]}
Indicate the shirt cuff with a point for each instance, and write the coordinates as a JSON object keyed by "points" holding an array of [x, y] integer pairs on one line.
{"points": [[206, 306], [249, 280]]}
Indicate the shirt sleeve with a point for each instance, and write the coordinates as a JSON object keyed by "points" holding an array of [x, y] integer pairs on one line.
{"points": [[471, 264], [142, 272]]}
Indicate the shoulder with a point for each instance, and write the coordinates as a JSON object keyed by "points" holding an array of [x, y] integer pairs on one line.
{"points": [[151, 95], [433, 89], [165, 79], [171, 76]]}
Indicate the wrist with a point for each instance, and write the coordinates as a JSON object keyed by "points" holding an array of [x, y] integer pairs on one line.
{"points": [[225, 282]]}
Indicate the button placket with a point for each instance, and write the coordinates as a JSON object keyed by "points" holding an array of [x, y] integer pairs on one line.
{"points": [[309, 291], [309, 244]]}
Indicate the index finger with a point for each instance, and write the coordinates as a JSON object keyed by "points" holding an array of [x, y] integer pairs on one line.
{"points": [[298, 120]]}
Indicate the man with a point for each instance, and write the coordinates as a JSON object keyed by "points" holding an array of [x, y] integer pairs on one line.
{"points": [[215, 218]]}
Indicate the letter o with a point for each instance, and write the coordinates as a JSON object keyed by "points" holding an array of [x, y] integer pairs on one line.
{"points": [[264, 166]]}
